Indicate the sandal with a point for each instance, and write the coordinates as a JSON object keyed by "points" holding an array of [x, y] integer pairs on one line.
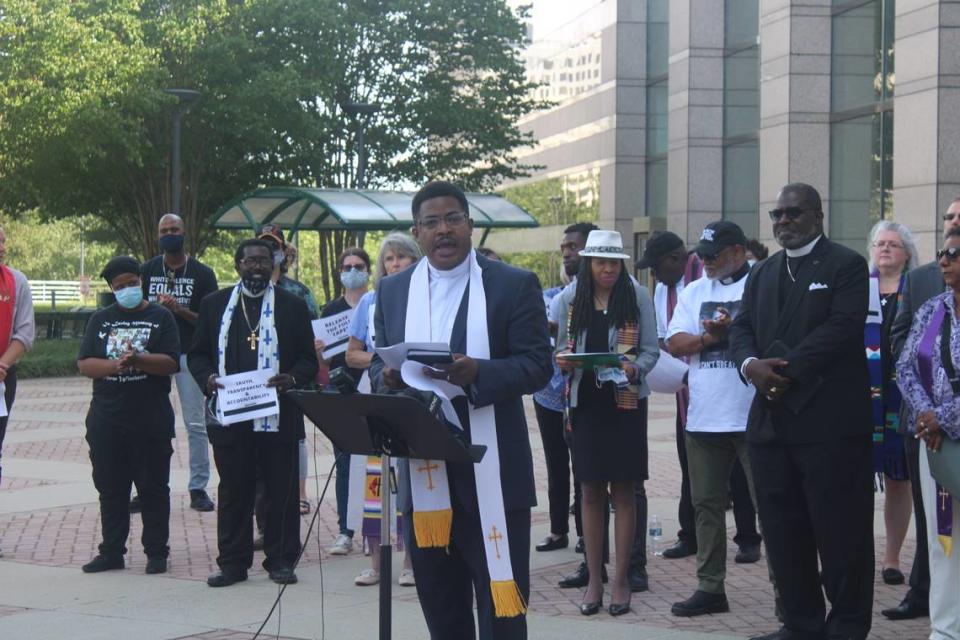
{"points": [[305, 507]]}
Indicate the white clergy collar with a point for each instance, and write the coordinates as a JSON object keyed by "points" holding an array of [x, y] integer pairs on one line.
{"points": [[462, 270], [804, 250]]}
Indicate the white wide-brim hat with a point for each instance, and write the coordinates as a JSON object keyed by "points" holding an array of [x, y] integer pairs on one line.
{"points": [[604, 244]]}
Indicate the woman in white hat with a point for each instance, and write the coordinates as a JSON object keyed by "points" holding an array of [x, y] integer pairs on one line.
{"points": [[608, 312]]}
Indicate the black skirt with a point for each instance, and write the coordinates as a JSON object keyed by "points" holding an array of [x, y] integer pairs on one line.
{"points": [[608, 443]]}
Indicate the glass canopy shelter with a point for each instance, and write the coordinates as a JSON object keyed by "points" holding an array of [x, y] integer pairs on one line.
{"points": [[303, 208]]}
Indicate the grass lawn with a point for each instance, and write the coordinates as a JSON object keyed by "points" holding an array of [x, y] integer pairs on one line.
{"points": [[50, 358]]}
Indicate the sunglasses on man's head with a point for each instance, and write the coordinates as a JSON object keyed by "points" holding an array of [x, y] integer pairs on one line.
{"points": [[790, 212], [950, 254]]}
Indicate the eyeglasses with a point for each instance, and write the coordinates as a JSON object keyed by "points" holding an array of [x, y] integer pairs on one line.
{"points": [[790, 212], [454, 219], [950, 254], [353, 267], [887, 244], [257, 262], [948, 217]]}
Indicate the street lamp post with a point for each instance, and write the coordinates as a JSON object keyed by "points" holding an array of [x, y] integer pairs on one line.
{"points": [[185, 97], [366, 110]]}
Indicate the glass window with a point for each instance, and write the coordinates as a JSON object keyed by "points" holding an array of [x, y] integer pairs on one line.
{"points": [[657, 115], [741, 22], [658, 50], [741, 186], [656, 179], [741, 94], [862, 55], [861, 177]]}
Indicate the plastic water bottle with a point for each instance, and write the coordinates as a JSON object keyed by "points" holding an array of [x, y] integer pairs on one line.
{"points": [[656, 534]]}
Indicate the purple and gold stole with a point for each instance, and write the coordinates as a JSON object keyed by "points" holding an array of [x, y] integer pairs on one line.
{"points": [[944, 502]]}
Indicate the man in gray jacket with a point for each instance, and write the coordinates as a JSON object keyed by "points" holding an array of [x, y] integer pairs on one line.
{"points": [[920, 285]]}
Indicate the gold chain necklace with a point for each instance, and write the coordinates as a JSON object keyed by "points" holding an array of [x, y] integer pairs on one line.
{"points": [[253, 338]]}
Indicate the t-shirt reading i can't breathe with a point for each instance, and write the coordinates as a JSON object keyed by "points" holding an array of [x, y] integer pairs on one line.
{"points": [[132, 399], [719, 401]]}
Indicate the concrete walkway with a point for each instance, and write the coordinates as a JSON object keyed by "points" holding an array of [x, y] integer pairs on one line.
{"points": [[49, 526]]}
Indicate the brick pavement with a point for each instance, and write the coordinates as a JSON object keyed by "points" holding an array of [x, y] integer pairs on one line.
{"points": [[67, 535]]}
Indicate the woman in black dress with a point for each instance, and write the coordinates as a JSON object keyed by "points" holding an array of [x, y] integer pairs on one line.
{"points": [[608, 312]]}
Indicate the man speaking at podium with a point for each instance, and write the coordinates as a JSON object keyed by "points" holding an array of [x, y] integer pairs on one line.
{"points": [[471, 522]]}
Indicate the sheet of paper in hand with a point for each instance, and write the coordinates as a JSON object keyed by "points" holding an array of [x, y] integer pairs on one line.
{"points": [[590, 360], [246, 396], [667, 375], [335, 333], [424, 352]]}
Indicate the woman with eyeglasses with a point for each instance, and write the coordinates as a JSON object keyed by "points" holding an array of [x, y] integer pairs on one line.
{"points": [[607, 313], [892, 253], [397, 252], [354, 267], [927, 377]]}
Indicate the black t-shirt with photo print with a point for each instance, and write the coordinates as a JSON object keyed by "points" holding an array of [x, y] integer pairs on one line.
{"points": [[189, 285], [132, 399]]}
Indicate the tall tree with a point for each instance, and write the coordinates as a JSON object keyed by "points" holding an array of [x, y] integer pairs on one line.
{"points": [[85, 126]]}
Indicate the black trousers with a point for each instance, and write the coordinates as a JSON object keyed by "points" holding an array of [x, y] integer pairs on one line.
{"points": [[685, 513], [817, 500], [558, 467], [9, 395], [249, 456], [448, 578], [121, 458], [919, 592]]}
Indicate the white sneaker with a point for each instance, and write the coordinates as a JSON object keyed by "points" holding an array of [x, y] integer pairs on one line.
{"points": [[367, 578], [406, 578], [341, 546]]}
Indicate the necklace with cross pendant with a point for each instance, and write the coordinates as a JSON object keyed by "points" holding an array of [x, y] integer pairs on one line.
{"points": [[253, 338]]}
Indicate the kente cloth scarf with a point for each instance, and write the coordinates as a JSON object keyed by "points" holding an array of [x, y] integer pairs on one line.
{"points": [[8, 303], [888, 456], [432, 512], [628, 338], [267, 344], [363, 498], [944, 506]]}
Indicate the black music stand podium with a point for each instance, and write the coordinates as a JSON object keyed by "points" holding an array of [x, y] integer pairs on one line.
{"points": [[390, 426]]}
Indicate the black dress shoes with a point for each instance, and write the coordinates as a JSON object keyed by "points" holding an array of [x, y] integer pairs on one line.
{"points": [[283, 575], [591, 608], [200, 501], [580, 577], [892, 576], [552, 544], [906, 610], [156, 564], [226, 577], [701, 603], [747, 554], [637, 579], [103, 563], [680, 550]]}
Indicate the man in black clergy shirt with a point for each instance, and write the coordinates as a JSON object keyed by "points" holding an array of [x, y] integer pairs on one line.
{"points": [[798, 338], [243, 452]]}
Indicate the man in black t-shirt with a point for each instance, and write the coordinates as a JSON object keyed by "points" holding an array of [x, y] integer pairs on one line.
{"points": [[179, 282], [130, 349]]}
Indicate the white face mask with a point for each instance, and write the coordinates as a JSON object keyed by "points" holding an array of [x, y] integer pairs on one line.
{"points": [[354, 279]]}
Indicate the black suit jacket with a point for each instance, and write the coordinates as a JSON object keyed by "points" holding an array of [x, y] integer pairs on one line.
{"points": [[520, 363], [297, 357], [823, 330]]}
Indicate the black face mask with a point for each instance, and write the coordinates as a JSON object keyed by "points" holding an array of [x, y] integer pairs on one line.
{"points": [[254, 286], [171, 243]]}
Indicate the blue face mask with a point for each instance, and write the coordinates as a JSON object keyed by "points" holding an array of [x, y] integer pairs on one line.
{"points": [[354, 279], [129, 297]]}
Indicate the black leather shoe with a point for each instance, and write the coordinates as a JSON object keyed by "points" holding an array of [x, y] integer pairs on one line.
{"points": [[701, 603], [283, 575], [135, 504], [552, 544], [906, 610], [226, 577], [200, 501], [580, 577], [103, 563], [580, 546], [892, 576], [637, 579], [591, 608], [156, 564], [747, 554], [680, 550], [616, 609]]}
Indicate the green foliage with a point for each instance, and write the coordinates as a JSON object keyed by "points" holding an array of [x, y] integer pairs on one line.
{"points": [[85, 125], [543, 263], [551, 201], [49, 359], [51, 251]]}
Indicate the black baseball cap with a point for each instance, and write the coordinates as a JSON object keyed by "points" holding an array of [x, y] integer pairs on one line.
{"points": [[719, 235], [660, 244]]}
